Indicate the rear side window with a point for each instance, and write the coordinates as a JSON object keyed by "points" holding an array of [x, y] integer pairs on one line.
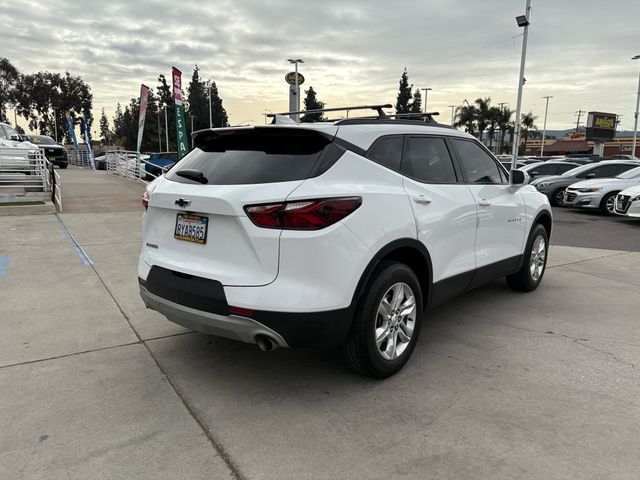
{"points": [[387, 151], [478, 165], [427, 159], [604, 171], [252, 156]]}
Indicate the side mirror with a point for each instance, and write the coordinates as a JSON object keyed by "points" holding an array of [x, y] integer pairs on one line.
{"points": [[518, 177], [15, 138]]}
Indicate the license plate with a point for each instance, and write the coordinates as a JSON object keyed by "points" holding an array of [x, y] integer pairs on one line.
{"points": [[191, 228]]}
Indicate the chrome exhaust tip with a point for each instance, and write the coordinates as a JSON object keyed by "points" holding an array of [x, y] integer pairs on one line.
{"points": [[266, 343]]}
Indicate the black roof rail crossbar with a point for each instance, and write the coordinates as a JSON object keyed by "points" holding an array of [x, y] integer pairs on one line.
{"points": [[377, 108]]}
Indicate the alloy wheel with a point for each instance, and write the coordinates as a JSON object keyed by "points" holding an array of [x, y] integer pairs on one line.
{"points": [[395, 321], [538, 257]]}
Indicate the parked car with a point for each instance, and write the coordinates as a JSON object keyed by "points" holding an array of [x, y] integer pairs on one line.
{"points": [[554, 186], [54, 152], [507, 164], [159, 163], [548, 168], [584, 158], [334, 234], [600, 193], [628, 202], [24, 159]]}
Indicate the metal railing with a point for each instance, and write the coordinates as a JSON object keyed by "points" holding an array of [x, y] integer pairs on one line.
{"points": [[21, 168], [81, 158], [56, 187], [125, 164]]}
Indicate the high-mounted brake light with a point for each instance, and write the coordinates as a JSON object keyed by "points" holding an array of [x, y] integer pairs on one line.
{"points": [[145, 200], [302, 214]]}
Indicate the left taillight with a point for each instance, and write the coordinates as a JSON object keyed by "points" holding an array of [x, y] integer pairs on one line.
{"points": [[302, 214], [145, 200]]}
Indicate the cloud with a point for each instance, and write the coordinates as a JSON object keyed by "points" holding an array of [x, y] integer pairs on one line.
{"points": [[354, 50]]}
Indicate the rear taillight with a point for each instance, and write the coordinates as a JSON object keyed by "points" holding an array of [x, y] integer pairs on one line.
{"points": [[145, 200], [302, 214]]}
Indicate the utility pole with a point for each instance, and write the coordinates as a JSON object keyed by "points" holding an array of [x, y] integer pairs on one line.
{"points": [[635, 122], [210, 117], [55, 123], [159, 130], [426, 92], [15, 118], [523, 21], [544, 128], [166, 127], [579, 113], [452, 115], [191, 117]]}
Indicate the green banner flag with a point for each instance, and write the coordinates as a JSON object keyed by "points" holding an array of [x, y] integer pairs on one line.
{"points": [[181, 128]]}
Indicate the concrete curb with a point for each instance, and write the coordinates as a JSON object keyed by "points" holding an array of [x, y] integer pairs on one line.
{"points": [[47, 207]]}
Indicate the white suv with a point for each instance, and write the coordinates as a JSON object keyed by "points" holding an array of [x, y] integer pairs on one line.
{"points": [[341, 234]]}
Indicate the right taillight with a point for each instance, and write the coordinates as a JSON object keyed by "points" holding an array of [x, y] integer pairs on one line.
{"points": [[302, 214], [145, 200]]}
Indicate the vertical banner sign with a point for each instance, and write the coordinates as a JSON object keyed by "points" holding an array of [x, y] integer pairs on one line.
{"points": [[72, 133], [144, 95], [87, 139], [181, 128]]}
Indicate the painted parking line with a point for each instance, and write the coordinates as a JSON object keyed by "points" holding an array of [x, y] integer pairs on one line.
{"points": [[79, 250], [4, 265]]}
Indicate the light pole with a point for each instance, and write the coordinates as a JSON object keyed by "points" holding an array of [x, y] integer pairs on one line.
{"points": [[159, 130], [544, 127], [191, 117], [523, 21], [452, 115], [210, 117], [296, 61], [166, 127], [426, 92], [55, 123], [635, 122]]}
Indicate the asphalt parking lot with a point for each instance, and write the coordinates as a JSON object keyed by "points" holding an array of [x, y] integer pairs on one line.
{"points": [[502, 385]]}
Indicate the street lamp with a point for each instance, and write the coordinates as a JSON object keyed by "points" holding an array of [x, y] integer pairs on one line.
{"points": [[635, 122], [296, 61], [544, 127], [426, 92], [166, 127], [523, 21], [210, 117]]}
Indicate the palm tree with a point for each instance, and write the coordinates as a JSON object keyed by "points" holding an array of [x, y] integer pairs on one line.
{"points": [[482, 114], [527, 121], [504, 124], [493, 117], [465, 117]]}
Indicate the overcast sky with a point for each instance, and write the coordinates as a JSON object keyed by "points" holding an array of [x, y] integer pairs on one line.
{"points": [[355, 51]]}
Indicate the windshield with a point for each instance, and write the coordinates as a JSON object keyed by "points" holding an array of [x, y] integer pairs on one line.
{"points": [[578, 170], [531, 166], [41, 140], [11, 133], [633, 173]]}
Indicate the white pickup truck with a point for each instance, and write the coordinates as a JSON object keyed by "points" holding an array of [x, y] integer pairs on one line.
{"points": [[15, 155]]}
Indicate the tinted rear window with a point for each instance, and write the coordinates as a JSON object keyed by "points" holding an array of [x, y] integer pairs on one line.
{"points": [[250, 156]]}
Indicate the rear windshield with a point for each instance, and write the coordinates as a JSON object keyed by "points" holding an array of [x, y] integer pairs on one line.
{"points": [[250, 156]]}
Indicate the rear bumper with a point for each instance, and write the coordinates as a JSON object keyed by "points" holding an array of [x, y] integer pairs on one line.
{"points": [[201, 304]]}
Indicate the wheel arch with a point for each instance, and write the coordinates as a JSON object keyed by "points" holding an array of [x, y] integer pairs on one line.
{"points": [[544, 218], [409, 251]]}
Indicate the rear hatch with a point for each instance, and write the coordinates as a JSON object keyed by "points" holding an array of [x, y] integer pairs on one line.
{"points": [[201, 228]]}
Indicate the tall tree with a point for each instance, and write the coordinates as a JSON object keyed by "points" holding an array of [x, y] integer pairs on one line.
{"points": [[528, 123], [218, 113], [198, 102], [504, 124], [165, 98], [493, 116], [311, 102], [416, 103], [482, 114], [8, 78], [105, 133], [404, 94], [45, 98]]}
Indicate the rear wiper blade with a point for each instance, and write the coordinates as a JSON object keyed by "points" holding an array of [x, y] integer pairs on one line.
{"points": [[195, 175]]}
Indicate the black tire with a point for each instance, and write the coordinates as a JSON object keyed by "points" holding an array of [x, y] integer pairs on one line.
{"points": [[523, 280], [63, 165], [360, 349], [556, 197], [603, 204]]}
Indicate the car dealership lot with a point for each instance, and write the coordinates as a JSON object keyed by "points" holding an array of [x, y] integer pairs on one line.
{"points": [[501, 385]]}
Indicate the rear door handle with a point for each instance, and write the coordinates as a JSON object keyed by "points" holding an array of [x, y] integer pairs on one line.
{"points": [[421, 200], [484, 202]]}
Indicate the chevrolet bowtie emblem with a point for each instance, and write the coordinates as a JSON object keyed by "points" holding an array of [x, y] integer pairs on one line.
{"points": [[183, 202]]}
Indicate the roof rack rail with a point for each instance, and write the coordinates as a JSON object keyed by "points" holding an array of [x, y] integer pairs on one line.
{"points": [[378, 108]]}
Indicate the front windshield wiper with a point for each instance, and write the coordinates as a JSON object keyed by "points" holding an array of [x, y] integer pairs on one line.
{"points": [[195, 175]]}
